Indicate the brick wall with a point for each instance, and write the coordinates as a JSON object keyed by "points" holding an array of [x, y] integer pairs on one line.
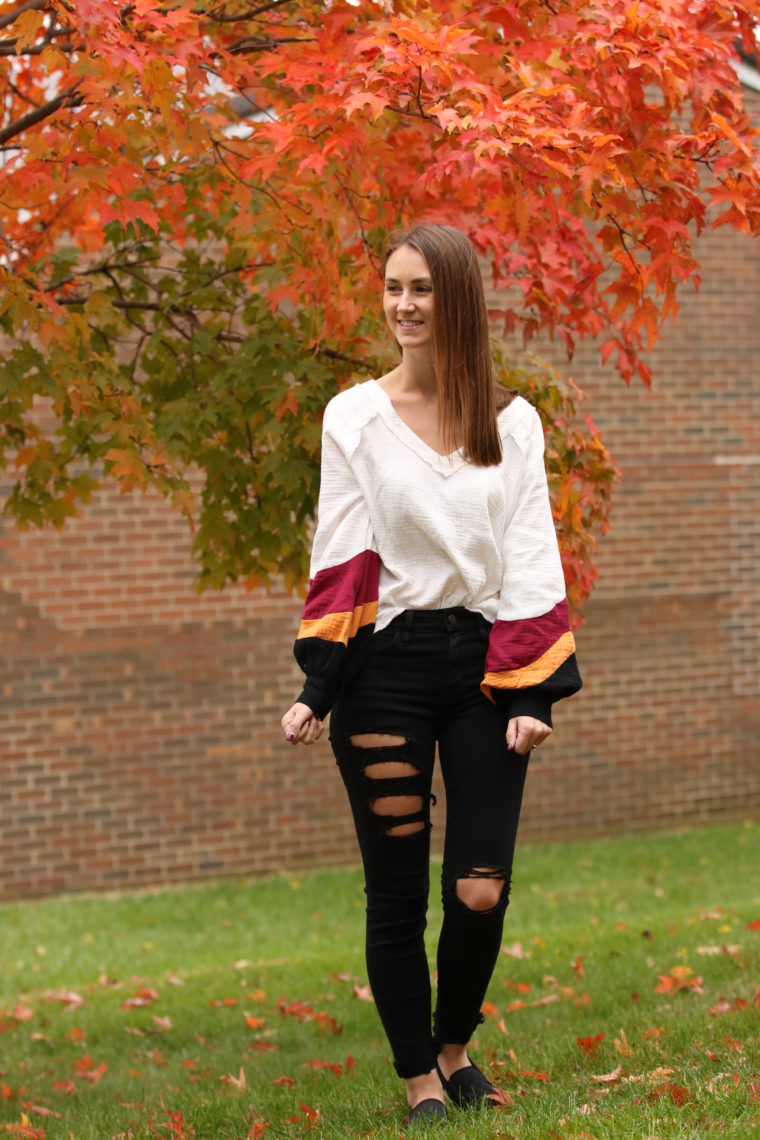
{"points": [[139, 723]]}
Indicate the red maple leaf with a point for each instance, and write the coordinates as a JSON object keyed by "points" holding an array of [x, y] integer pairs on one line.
{"points": [[590, 1044]]}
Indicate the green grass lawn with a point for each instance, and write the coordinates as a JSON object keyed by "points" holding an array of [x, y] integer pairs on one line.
{"points": [[626, 1003]]}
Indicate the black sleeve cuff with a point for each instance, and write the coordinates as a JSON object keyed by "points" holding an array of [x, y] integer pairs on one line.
{"points": [[316, 698], [524, 702]]}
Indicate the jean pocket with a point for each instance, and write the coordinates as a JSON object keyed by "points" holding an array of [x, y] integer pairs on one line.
{"points": [[384, 640]]}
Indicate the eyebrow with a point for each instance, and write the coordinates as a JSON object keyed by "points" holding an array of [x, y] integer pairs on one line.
{"points": [[415, 281]]}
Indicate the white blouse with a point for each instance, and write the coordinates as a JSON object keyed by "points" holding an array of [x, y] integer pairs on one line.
{"points": [[448, 532], [401, 527]]}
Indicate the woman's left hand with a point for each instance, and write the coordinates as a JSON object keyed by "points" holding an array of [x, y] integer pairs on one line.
{"points": [[525, 732]]}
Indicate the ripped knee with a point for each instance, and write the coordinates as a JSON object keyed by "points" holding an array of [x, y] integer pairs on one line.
{"points": [[398, 796], [482, 889]]}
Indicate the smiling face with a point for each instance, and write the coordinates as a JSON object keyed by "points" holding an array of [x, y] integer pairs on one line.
{"points": [[408, 298]]}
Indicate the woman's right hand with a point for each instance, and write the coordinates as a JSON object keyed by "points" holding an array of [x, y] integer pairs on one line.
{"points": [[301, 725]]}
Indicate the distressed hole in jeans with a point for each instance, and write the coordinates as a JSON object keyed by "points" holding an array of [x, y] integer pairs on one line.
{"points": [[389, 769], [481, 888], [399, 806], [377, 740]]}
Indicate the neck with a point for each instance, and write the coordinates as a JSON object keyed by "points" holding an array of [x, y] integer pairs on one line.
{"points": [[416, 374]]}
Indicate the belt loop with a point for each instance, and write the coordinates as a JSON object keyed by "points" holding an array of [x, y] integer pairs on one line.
{"points": [[406, 632]]}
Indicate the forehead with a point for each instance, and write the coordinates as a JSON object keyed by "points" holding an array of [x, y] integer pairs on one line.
{"points": [[406, 263]]}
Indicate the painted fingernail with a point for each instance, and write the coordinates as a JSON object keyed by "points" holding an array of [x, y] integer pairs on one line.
{"points": [[290, 736]]}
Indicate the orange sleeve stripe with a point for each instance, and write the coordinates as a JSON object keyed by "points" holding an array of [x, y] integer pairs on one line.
{"points": [[339, 627], [534, 673]]}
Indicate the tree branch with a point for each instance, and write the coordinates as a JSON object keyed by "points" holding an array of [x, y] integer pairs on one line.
{"points": [[67, 98], [251, 14], [30, 6]]}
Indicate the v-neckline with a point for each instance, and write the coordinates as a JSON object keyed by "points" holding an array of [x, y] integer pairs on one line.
{"points": [[445, 463]]}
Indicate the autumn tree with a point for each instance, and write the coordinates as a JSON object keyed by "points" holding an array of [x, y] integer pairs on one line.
{"points": [[195, 197]]}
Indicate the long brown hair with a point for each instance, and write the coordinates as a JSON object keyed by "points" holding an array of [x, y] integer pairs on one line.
{"points": [[467, 393]]}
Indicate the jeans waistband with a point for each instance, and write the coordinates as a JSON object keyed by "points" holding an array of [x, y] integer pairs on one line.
{"points": [[452, 617]]}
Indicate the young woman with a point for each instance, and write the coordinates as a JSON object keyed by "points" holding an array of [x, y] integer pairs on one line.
{"points": [[436, 614]]}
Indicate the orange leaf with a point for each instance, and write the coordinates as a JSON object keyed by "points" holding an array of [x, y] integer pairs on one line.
{"points": [[143, 997], [590, 1044]]}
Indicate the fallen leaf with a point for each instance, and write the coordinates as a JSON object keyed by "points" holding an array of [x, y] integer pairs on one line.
{"points": [[364, 993], [609, 1078], [302, 1011], [520, 987], [677, 1093], [334, 1066], [590, 1044], [725, 1006], [144, 996], [66, 997], [236, 1082], [83, 1068], [498, 1098], [679, 979], [535, 1074], [40, 1110], [515, 951]]}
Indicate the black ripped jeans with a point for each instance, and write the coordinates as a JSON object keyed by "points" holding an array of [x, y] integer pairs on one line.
{"points": [[419, 684]]}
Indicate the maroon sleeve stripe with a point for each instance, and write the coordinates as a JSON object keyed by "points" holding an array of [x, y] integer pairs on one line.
{"points": [[342, 588], [516, 644]]}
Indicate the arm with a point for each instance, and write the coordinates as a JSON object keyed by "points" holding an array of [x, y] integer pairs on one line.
{"points": [[341, 605], [531, 654]]}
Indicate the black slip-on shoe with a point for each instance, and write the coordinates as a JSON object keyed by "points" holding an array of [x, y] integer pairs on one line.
{"points": [[427, 1112], [469, 1086]]}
